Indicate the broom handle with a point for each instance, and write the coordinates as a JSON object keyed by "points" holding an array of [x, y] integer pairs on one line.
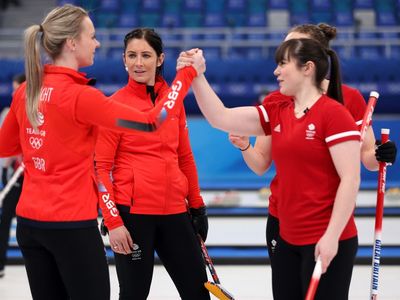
{"points": [[312, 288], [11, 182], [376, 254], [208, 260], [366, 121]]}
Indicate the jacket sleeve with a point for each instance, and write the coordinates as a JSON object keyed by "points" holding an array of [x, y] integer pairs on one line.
{"points": [[9, 136], [93, 108], [187, 163], [106, 146]]}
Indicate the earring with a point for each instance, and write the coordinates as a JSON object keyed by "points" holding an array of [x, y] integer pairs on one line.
{"points": [[126, 68]]}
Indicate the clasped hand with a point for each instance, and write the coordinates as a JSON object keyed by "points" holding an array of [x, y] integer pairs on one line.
{"points": [[193, 57]]}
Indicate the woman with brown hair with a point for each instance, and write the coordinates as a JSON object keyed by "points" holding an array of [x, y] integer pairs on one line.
{"points": [[149, 189]]}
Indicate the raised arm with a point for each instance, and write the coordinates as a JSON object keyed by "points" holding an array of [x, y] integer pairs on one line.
{"points": [[239, 120], [92, 107]]}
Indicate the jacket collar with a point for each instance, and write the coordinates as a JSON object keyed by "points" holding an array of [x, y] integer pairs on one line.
{"points": [[78, 77], [140, 89]]}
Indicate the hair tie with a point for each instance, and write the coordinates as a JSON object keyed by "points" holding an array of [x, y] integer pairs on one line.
{"points": [[41, 28]]}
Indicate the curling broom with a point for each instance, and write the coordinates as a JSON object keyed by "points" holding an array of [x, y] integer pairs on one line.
{"points": [[214, 287]]}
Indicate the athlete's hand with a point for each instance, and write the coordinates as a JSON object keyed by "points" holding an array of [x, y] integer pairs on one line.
{"points": [[120, 240], [327, 248], [199, 62], [186, 58], [200, 221], [239, 141], [385, 152]]}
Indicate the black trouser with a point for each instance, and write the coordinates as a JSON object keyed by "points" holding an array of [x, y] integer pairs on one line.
{"points": [[65, 263], [173, 238], [294, 265], [7, 214], [272, 236]]}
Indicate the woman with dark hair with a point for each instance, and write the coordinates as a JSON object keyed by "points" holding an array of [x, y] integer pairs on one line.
{"points": [[314, 144], [53, 121], [258, 158], [149, 190]]}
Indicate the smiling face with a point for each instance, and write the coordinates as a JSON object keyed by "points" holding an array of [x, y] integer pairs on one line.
{"points": [[86, 44], [142, 61]]}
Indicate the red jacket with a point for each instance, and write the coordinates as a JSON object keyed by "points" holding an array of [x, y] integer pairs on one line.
{"points": [[59, 177], [153, 173]]}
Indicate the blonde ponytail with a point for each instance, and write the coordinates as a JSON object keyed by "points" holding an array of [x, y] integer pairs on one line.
{"points": [[60, 24], [34, 73]]}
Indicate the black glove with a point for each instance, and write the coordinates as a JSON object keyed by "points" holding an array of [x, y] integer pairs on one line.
{"points": [[385, 152], [103, 228], [200, 221]]}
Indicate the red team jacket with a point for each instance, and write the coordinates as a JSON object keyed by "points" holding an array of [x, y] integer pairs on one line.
{"points": [[355, 104], [308, 180], [60, 183], [152, 173]]}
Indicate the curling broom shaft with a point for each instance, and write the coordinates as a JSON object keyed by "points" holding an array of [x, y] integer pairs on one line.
{"points": [[376, 254], [11, 182], [312, 288], [366, 122]]}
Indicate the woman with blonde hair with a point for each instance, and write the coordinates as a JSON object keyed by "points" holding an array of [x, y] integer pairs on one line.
{"points": [[53, 122]]}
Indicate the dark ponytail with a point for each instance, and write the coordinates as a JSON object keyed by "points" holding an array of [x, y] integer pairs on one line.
{"points": [[335, 82]]}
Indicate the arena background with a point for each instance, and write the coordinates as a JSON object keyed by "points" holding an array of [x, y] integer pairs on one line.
{"points": [[239, 38]]}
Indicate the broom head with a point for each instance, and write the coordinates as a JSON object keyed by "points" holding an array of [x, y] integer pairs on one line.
{"points": [[218, 291]]}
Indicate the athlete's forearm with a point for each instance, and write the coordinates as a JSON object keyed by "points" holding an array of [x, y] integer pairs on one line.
{"points": [[238, 120], [94, 108], [368, 151], [106, 147], [258, 158]]}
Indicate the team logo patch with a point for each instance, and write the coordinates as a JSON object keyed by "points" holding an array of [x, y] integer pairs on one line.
{"points": [[273, 245], [136, 253], [310, 131], [36, 142]]}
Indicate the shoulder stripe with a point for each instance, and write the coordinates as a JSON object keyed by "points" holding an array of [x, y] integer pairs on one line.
{"points": [[342, 135], [264, 113]]}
